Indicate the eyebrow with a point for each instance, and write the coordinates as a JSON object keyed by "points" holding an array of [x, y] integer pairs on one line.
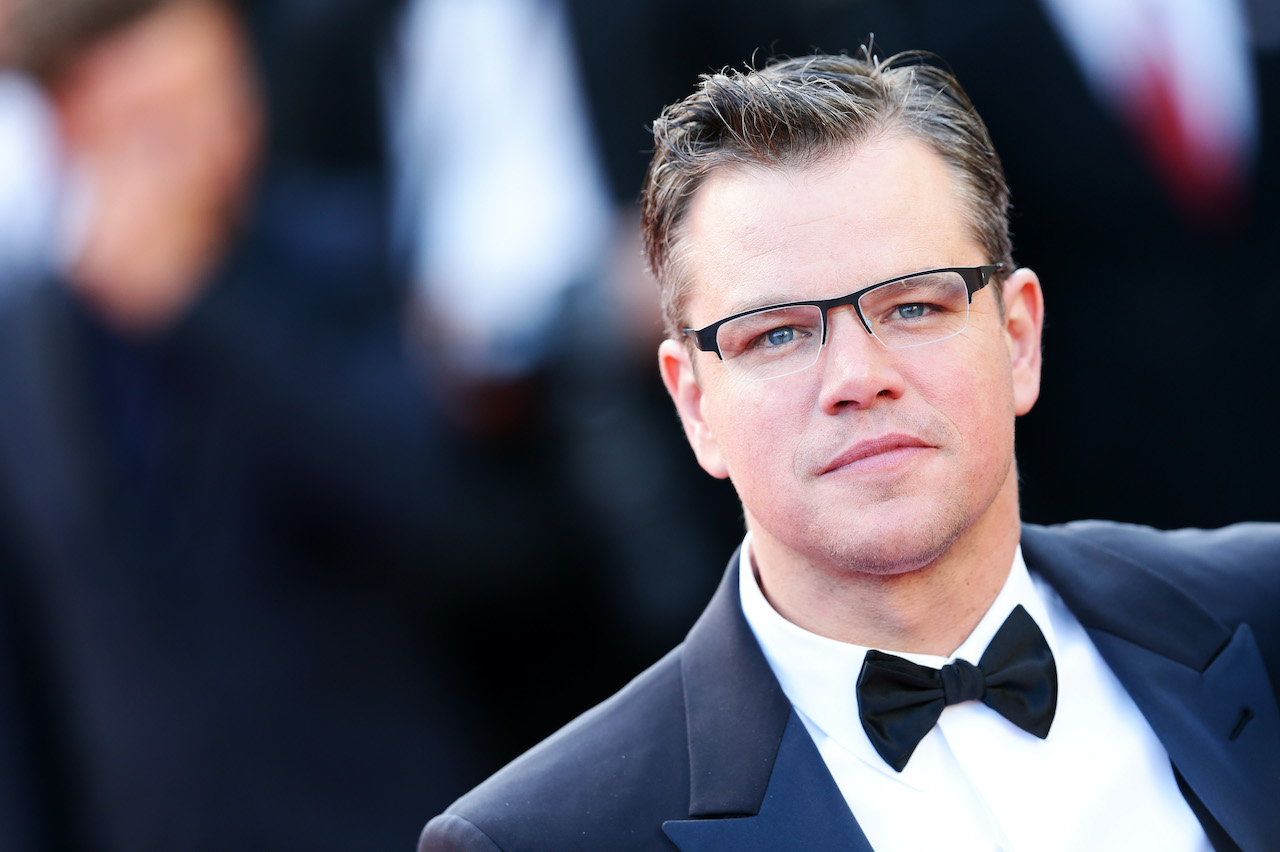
{"points": [[771, 300], [767, 301]]}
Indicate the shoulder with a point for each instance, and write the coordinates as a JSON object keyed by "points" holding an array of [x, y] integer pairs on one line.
{"points": [[1191, 555], [607, 780], [1232, 573], [1136, 536]]}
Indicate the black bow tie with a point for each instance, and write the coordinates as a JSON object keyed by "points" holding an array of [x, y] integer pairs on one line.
{"points": [[899, 702]]}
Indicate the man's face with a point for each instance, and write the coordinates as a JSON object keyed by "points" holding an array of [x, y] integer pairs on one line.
{"points": [[873, 459]]}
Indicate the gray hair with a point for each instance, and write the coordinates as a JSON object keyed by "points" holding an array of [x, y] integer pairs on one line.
{"points": [[795, 112]]}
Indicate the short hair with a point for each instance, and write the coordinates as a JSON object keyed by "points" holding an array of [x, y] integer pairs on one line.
{"points": [[795, 112]]}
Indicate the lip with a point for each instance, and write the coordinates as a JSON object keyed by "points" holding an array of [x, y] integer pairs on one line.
{"points": [[876, 452]]}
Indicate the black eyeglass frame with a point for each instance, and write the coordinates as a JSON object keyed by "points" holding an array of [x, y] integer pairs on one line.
{"points": [[975, 278]]}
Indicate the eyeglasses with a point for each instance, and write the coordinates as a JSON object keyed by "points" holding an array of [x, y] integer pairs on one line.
{"points": [[910, 310]]}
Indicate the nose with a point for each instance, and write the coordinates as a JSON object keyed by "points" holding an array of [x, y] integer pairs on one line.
{"points": [[857, 370]]}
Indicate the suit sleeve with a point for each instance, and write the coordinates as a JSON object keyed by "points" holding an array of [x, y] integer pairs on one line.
{"points": [[450, 833]]}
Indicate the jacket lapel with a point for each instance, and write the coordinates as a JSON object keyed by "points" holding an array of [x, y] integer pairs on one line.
{"points": [[802, 809], [756, 778], [1202, 686]]}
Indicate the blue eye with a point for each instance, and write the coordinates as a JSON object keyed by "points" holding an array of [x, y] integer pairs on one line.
{"points": [[779, 336], [912, 311]]}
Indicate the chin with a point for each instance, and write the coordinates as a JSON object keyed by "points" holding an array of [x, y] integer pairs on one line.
{"points": [[893, 547]]}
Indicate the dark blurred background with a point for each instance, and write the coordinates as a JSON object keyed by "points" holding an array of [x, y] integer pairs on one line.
{"points": [[335, 469]]}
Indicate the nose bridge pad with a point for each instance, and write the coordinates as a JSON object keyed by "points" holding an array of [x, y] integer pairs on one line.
{"points": [[853, 311], [858, 364]]}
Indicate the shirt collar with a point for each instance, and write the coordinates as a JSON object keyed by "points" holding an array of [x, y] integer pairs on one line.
{"points": [[820, 675]]}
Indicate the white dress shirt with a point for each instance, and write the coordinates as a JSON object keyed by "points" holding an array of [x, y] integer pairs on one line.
{"points": [[1100, 780]]}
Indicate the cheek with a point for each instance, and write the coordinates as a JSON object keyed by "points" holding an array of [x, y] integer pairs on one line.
{"points": [[973, 391], [757, 433]]}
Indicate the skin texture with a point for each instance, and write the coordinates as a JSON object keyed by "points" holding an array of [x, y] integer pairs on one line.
{"points": [[879, 485], [163, 119]]}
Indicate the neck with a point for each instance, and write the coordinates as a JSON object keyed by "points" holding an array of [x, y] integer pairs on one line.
{"points": [[928, 609]]}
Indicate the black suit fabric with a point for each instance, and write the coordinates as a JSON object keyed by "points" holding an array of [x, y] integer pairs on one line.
{"points": [[703, 750]]}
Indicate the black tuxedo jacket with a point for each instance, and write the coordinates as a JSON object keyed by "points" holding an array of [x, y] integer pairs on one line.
{"points": [[704, 752]]}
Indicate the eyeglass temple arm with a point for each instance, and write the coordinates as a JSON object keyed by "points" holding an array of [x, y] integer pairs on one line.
{"points": [[981, 280]]}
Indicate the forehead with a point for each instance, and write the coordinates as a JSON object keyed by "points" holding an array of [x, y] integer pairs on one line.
{"points": [[756, 236], [181, 52]]}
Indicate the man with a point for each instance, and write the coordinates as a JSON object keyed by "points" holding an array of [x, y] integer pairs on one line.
{"points": [[211, 616], [893, 661]]}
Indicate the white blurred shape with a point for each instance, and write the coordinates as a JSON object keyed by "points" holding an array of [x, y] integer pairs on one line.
{"points": [[500, 188]]}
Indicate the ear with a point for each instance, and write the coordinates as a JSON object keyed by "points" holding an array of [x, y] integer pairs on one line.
{"points": [[682, 383], [1023, 326]]}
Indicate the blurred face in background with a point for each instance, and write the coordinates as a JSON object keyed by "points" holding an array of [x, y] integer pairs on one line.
{"points": [[165, 119]]}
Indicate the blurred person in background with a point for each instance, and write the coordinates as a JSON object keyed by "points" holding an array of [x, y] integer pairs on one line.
{"points": [[219, 482]]}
